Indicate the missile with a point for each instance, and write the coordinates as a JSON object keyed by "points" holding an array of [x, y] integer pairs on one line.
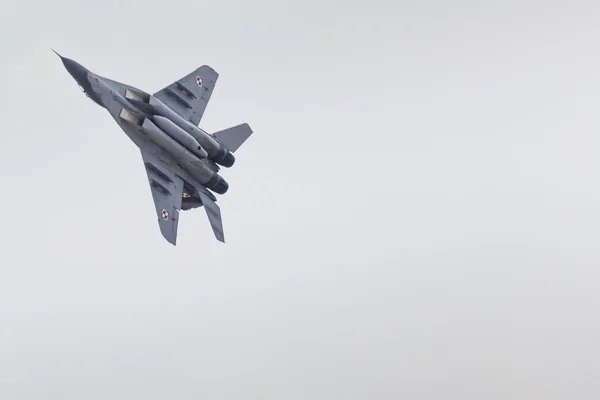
{"points": [[181, 136], [188, 161], [215, 150]]}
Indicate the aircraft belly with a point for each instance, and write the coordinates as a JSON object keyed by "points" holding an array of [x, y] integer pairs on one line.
{"points": [[136, 137], [154, 149], [188, 161], [181, 169]]}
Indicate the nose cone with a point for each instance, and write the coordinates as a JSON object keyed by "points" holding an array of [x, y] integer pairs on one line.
{"points": [[80, 74], [77, 71]]}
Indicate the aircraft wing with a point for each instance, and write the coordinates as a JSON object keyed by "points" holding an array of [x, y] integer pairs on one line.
{"points": [[167, 192], [189, 95]]}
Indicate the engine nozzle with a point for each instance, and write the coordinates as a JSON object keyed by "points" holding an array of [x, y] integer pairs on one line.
{"points": [[217, 184], [224, 157]]}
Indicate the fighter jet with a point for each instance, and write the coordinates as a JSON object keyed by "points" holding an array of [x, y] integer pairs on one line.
{"points": [[182, 161]]}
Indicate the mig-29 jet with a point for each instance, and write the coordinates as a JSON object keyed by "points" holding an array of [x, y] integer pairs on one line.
{"points": [[182, 161]]}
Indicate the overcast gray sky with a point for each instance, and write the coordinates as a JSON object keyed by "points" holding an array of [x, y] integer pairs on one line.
{"points": [[416, 216]]}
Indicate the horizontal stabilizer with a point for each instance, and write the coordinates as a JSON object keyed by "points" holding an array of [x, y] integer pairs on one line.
{"points": [[214, 215], [232, 138]]}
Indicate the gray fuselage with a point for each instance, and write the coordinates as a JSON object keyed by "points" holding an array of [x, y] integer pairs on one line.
{"points": [[145, 127]]}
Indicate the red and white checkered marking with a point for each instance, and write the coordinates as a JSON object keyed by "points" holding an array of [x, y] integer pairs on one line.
{"points": [[198, 81], [164, 215]]}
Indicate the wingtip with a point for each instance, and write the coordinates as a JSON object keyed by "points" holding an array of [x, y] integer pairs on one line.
{"points": [[219, 235]]}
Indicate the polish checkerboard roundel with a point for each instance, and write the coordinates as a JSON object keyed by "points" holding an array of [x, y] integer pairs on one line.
{"points": [[198, 81], [164, 215]]}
